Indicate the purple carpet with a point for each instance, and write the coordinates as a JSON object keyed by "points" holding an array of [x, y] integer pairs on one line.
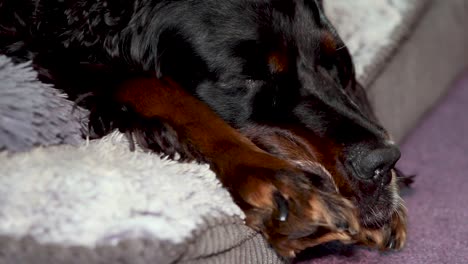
{"points": [[437, 152]]}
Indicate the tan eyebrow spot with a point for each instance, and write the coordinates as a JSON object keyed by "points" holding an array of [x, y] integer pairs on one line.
{"points": [[278, 62], [327, 42]]}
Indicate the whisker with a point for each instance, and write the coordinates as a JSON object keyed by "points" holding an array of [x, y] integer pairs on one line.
{"points": [[375, 216], [80, 99], [397, 212], [342, 47]]}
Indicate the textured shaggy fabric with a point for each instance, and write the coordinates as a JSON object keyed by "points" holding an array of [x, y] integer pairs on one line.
{"points": [[372, 30], [438, 213], [102, 193], [32, 113]]}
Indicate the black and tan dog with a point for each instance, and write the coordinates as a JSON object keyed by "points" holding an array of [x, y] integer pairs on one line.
{"points": [[262, 90]]}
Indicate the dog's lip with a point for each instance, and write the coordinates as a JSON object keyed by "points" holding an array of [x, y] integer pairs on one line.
{"points": [[377, 213], [372, 212], [375, 218], [376, 210]]}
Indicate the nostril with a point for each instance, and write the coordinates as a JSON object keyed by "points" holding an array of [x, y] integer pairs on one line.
{"points": [[377, 163]]}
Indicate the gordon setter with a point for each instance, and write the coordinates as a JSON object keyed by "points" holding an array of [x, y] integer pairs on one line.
{"points": [[262, 90]]}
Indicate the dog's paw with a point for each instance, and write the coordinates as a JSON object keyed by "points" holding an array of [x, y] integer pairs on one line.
{"points": [[389, 237], [397, 238], [292, 208]]}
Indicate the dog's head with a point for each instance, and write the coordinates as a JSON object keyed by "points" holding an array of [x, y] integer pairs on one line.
{"points": [[281, 64]]}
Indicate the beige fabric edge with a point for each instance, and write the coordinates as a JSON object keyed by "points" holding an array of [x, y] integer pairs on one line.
{"points": [[235, 243], [423, 67]]}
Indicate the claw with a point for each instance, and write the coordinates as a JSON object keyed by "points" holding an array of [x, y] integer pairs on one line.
{"points": [[391, 244], [131, 141], [283, 207], [343, 226], [352, 231]]}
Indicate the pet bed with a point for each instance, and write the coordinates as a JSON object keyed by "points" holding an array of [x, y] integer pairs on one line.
{"points": [[67, 200]]}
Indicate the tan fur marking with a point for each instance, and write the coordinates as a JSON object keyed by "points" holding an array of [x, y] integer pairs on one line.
{"points": [[328, 43], [278, 62]]}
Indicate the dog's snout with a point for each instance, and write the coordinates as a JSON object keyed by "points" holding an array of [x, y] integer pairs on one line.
{"points": [[376, 164]]}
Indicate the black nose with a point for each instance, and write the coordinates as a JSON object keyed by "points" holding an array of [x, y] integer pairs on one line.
{"points": [[377, 164]]}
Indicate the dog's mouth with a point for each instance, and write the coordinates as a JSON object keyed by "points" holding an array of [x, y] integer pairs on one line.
{"points": [[375, 216], [376, 202]]}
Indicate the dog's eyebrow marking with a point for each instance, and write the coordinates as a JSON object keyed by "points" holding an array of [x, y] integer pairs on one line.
{"points": [[328, 43], [278, 62]]}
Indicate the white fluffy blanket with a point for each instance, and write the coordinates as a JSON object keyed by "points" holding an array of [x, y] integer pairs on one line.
{"points": [[100, 193]]}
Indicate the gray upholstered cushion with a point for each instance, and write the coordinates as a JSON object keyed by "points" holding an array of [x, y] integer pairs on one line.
{"points": [[418, 73]]}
